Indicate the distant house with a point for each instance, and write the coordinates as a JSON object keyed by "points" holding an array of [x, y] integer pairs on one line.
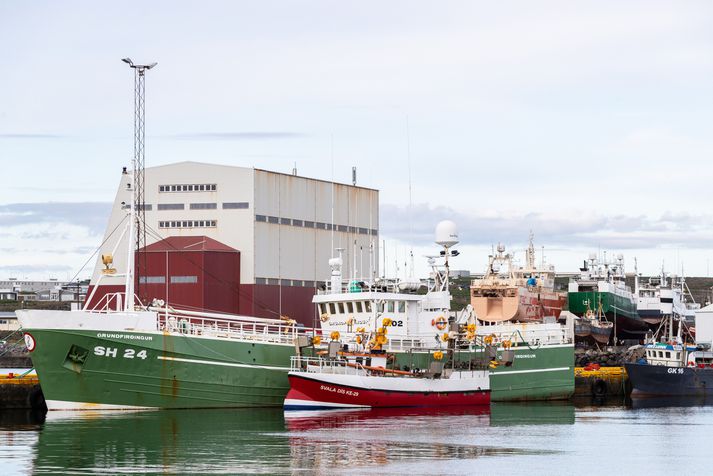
{"points": [[8, 321], [8, 295]]}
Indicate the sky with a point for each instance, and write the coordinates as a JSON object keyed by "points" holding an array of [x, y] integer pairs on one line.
{"points": [[587, 122]]}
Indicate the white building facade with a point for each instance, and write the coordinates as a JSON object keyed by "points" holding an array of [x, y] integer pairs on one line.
{"points": [[286, 228]]}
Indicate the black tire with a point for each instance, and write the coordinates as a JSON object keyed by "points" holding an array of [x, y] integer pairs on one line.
{"points": [[599, 388]]}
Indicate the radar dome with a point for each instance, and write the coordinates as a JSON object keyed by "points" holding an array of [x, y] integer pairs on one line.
{"points": [[447, 233]]}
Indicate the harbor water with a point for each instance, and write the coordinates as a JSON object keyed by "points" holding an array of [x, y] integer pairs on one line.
{"points": [[653, 436]]}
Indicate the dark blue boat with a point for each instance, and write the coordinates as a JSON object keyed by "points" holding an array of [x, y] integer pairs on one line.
{"points": [[672, 369]]}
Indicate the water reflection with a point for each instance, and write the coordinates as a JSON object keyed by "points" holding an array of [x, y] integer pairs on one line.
{"points": [[531, 413], [662, 402], [173, 442], [268, 441]]}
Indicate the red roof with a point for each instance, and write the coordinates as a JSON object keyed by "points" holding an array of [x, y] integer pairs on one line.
{"points": [[188, 243]]}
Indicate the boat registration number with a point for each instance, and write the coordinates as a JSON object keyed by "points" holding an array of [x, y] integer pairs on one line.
{"points": [[113, 352], [342, 391], [675, 371]]}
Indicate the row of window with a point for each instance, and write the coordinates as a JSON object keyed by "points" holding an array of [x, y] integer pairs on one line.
{"points": [[349, 307], [286, 282], [162, 279], [194, 206], [313, 224], [202, 187], [188, 224], [662, 354]]}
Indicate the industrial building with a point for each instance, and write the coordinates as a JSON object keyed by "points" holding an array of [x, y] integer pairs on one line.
{"points": [[240, 240]]}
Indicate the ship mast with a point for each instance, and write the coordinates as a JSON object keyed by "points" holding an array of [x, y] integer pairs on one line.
{"points": [[137, 217]]}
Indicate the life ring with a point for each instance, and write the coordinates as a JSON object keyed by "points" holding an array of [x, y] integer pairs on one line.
{"points": [[440, 323]]}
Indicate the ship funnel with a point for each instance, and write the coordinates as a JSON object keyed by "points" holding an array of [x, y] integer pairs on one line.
{"points": [[447, 234]]}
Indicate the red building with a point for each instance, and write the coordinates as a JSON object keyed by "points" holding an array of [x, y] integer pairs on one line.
{"points": [[191, 272]]}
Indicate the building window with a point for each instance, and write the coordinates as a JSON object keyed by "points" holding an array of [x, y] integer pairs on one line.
{"points": [[261, 218], [309, 224], [184, 279], [285, 282], [296, 222], [171, 206], [188, 224], [285, 221], [152, 279], [352, 229], [194, 187], [204, 206], [342, 228], [235, 205], [363, 231], [272, 220], [273, 281]]}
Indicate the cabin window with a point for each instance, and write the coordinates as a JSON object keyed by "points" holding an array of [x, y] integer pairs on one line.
{"points": [[332, 309], [668, 354], [678, 355], [341, 308], [390, 306], [350, 307], [322, 308], [359, 307], [661, 354], [402, 307], [367, 306], [380, 306]]}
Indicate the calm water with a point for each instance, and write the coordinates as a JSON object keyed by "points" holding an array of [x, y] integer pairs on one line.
{"points": [[646, 438]]}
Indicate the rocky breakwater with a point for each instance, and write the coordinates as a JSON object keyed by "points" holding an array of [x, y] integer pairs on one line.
{"points": [[605, 357]]}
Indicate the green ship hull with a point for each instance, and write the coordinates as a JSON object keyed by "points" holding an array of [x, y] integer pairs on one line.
{"points": [[158, 370], [537, 373], [617, 309], [83, 369]]}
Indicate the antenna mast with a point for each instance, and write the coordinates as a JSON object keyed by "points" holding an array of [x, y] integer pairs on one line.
{"points": [[138, 167]]}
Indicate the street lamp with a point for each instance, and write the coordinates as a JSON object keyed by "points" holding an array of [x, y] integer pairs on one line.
{"points": [[138, 222]]}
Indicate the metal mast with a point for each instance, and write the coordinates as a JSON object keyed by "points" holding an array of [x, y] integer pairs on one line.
{"points": [[137, 227]]}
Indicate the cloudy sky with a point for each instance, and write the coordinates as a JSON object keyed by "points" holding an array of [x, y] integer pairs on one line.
{"points": [[588, 122]]}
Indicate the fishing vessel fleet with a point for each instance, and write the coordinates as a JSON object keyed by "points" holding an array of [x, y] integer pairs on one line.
{"points": [[377, 342]]}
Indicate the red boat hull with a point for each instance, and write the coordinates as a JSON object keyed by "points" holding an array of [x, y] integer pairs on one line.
{"points": [[309, 394]]}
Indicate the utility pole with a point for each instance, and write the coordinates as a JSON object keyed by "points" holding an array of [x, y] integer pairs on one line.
{"points": [[138, 215]]}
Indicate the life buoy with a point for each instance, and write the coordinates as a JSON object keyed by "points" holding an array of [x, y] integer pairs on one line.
{"points": [[440, 323]]}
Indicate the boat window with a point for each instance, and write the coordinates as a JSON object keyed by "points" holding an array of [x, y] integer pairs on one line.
{"points": [[380, 306], [661, 354], [359, 307], [350, 307], [332, 308], [678, 355], [402, 307], [367, 306], [322, 309], [341, 308], [390, 306], [668, 354]]}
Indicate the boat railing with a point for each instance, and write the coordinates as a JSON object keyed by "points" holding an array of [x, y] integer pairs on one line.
{"points": [[234, 327], [528, 334], [324, 365], [109, 302], [357, 286]]}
